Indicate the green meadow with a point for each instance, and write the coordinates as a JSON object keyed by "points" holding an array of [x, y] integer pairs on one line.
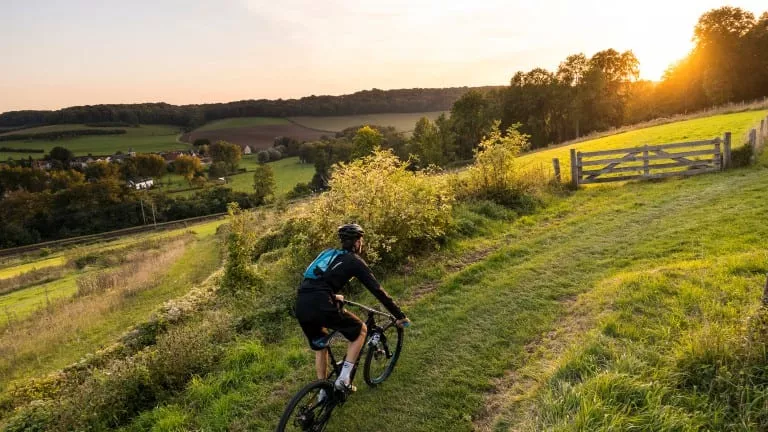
{"points": [[144, 139], [704, 128]]}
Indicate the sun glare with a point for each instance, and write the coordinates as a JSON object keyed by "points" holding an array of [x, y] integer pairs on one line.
{"points": [[658, 51]]}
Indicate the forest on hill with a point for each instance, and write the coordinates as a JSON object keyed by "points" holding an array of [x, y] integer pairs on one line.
{"points": [[190, 116]]}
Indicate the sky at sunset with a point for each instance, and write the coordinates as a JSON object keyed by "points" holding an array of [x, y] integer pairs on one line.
{"points": [[61, 53]]}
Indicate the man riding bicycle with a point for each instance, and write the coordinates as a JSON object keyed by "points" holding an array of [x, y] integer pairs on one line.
{"points": [[319, 308]]}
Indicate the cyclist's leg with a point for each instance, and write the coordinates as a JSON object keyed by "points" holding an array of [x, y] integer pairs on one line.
{"points": [[354, 331], [353, 350], [321, 364], [314, 331]]}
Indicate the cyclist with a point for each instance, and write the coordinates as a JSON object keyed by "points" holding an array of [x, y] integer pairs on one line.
{"points": [[319, 308]]}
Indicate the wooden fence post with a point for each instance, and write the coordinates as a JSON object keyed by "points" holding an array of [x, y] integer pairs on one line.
{"points": [[574, 170], [646, 169], [727, 151], [753, 145], [556, 167], [763, 132], [718, 159]]}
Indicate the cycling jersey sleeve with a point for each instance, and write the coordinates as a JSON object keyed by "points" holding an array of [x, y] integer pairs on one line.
{"points": [[364, 274]]}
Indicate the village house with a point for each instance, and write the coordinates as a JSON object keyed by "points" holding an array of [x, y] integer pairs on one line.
{"points": [[245, 149], [141, 184], [171, 156], [81, 162], [41, 164]]}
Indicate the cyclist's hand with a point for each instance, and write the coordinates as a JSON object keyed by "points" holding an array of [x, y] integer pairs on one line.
{"points": [[339, 298], [405, 322]]}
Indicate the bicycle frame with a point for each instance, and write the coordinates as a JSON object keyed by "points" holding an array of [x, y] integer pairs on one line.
{"points": [[370, 323]]}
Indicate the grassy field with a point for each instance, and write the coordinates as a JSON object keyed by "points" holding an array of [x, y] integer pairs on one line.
{"points": [[621, 307], [738, 124], [69, 326], [288, 172], [403, 122], [147, 138], [7, 271], [625, 280], [21, 303], [241, 122]]}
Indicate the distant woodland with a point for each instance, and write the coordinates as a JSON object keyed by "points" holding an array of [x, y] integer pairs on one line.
{"points": [[191, 116]]}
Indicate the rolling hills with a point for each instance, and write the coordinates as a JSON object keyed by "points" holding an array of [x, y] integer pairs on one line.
{"points": [[614, 307]]}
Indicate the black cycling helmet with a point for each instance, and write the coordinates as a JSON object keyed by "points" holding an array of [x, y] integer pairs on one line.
{"points": [[350, 232]]}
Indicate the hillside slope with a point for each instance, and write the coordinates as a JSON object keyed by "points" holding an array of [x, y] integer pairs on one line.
{"points": [[486, 311], [738, 124]]}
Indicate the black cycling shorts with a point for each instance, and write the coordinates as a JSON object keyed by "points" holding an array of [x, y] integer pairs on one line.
{"points": [[317, 312]]}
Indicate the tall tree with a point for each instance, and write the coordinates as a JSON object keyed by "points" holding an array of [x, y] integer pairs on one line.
{"points": [[150, 165], [187, 167], [61, 154], [263, 183], [470, 121], [366, 140], [425, 144], [230, 154]]}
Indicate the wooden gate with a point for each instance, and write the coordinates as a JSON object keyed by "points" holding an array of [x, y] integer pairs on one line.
{"points": [[649, 162]]}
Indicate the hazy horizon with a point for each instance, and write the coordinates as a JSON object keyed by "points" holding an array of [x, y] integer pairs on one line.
{"points": [[86, 52]]}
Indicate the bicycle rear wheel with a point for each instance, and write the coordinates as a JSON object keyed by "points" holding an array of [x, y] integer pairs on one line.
{"points": [[383, 351], [307, 411]]}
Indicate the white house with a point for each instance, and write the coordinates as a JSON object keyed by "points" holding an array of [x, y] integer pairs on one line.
{"points": [[141, 184]]}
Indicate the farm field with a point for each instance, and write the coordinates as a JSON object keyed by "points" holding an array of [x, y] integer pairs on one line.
{"points": [[403, 122], [147, 138], [288, 172], [70, 323], [258, 137], [240, 122], [738, 124], [260, 132]]}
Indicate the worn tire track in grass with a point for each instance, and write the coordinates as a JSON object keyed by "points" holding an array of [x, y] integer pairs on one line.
{"points": [[478, 324]]}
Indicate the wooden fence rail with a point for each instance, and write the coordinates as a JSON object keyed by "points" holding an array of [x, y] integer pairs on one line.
{"points": [[639, 163]]}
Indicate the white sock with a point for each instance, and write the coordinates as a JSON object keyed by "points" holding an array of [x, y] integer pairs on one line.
{"points": [[346, 370]]}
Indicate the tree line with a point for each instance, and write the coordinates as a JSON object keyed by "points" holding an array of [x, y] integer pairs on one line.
{"points": [[729, 63], [56, 135], [190, 116]]}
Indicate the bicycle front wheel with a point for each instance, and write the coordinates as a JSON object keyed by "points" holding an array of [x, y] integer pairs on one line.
{"points": [[310, 409], [383, 351]]}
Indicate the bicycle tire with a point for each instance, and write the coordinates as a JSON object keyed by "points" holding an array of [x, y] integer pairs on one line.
{"points": [[310, 390], [390, 365]]}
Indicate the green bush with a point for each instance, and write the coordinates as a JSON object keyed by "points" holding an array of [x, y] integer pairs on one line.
{"points": [[299, 191], [403, 212], [494, 176], [238, 274]]}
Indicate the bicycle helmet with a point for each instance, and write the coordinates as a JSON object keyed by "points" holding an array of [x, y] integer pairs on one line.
{"points": [[350, 232]]}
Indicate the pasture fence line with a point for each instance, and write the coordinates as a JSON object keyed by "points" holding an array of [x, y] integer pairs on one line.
{"points": [[649, 161]]}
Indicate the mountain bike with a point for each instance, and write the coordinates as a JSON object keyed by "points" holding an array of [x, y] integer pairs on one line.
{"points": [[310, 409]]}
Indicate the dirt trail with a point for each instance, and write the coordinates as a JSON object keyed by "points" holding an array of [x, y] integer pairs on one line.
{"points": [[511, 392]]}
